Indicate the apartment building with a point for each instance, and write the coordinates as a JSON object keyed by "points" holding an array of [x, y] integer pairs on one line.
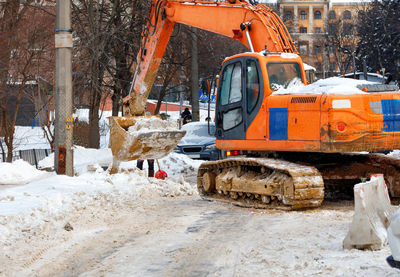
{"points": [[323, 31]]}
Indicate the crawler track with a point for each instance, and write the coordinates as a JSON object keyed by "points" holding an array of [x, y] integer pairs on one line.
{"points": [[261, 183]]}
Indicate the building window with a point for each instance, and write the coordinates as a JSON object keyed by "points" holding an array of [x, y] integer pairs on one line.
{"points": [[332, 49], [347, 29], [332, 29], [303, 49], [332, 66], [317, 49], [346, 15], [288, 16], [332, 15], [303, 30], [317, 15], [317, 30], [303, 15]]}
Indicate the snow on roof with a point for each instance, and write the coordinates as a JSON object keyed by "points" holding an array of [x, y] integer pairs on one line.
{"points": [[350, 1], [369, 74], [308, 67], [334, 85]]}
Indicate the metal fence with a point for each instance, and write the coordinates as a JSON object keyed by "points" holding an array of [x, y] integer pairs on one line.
{"points": [[32, 156]]}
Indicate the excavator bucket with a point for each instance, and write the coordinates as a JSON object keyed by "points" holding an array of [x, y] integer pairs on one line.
{"points": [[141, 137]]}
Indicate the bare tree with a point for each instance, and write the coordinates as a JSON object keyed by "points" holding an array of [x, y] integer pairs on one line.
{"points": [[107, 35], [340, 44], [25, 30]]}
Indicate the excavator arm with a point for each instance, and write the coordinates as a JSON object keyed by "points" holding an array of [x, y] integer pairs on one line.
{"points": [[255, 26]]}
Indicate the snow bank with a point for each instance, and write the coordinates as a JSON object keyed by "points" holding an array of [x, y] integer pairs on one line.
{"points": [[19, 173], [394, 154], [32, 207], [334, 85], [174, 164], [177, 165], [82, 158]]}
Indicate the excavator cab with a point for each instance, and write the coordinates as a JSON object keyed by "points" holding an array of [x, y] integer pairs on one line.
{"points": [[246, 79]]}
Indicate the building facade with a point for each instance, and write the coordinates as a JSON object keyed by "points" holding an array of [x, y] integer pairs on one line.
{"points": [[324, 31]]}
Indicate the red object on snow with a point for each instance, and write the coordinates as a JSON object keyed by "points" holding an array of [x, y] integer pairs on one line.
{"points": [[161, 174]]}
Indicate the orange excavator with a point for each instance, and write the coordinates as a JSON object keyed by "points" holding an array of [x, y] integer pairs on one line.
{"points": [[282, 151]]}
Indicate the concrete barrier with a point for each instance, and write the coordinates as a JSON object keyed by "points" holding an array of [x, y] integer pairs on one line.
{"points": [[372, 213], [394, 235]]}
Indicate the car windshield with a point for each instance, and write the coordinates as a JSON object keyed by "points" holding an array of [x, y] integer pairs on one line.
{"points": [[198, 130]]}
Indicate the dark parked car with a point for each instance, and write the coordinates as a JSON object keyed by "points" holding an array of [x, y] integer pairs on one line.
{"points": [[198, 143]]}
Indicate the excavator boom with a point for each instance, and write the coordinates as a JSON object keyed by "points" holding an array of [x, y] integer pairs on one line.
{"points": [[256, 27]]}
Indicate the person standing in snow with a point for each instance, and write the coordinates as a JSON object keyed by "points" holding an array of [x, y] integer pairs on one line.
{"points": [[150, 163], [186, 115]]}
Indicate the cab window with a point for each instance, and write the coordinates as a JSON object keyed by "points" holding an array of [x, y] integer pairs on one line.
{"points": [[231, 85], [252, 85], [280, 75]]}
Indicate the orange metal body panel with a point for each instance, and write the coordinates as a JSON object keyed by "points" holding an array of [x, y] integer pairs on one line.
{"points": [[364, 127]]}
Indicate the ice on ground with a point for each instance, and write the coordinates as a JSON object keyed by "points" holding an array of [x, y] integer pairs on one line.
{"points": [[19, 173], [333, 85]]}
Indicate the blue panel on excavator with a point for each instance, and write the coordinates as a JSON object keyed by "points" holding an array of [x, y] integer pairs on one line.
{"points": [[278, 122], [391, 115]]}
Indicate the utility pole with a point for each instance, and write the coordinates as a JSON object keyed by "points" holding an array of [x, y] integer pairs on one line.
{"points": [[63, 156], [195, 77]]}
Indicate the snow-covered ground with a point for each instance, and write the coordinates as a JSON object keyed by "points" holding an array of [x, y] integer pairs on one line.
{"points": [[130, 225]]}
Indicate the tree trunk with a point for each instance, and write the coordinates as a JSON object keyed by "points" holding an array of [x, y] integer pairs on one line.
{"points": [[195, 77], [116, 97], [9, 155], [94, 130], [160, 98]]}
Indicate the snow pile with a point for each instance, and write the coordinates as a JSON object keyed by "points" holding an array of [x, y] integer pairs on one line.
{"points": [[177, 165], [19, 173], [82, 158], [50, 201], [85, 159], [151, 124], [394, 154], [334, 85]]}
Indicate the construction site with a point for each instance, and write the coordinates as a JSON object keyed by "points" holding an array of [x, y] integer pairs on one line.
{"points": [[298, 175]]}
